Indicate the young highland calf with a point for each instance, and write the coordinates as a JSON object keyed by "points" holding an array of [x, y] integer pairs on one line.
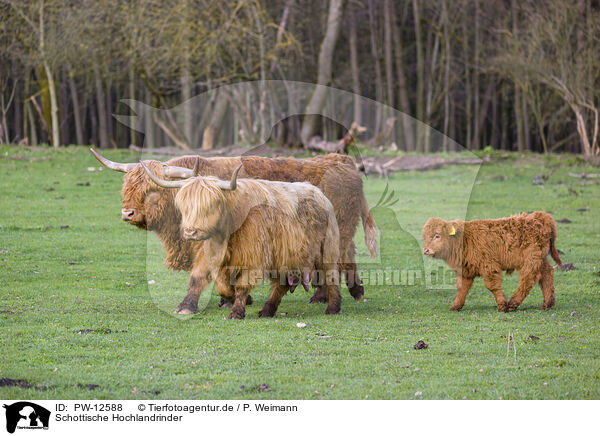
{"points": [[487, 247], [255, 229], [150, 207]]}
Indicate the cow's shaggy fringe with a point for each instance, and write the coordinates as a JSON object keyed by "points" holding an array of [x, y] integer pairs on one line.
{"points": [[261, 226], [487, 247]]}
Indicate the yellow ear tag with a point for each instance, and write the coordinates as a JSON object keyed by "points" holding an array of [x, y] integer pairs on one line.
{"points": [[452, 231]]}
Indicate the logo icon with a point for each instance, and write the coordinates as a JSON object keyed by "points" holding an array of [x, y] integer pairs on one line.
{"points": [[26, 415]]}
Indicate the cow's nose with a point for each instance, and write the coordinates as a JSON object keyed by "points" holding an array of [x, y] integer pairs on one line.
{"points": [[127, 214], [427, 251]]}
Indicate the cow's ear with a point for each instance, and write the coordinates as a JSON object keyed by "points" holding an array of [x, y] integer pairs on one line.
{"points": [[455, 228]]}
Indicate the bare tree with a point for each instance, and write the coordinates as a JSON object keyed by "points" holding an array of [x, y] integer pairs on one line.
{"points": [[317, 99]]}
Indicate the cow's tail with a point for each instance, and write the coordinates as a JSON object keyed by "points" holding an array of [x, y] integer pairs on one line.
{"points": [[549, 221], [370, 228], [554, 252]]}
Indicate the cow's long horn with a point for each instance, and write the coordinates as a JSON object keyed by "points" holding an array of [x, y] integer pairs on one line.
{"points": [[182, 173], [178, 172], [160, 182], [232, 184], [117, 166]]}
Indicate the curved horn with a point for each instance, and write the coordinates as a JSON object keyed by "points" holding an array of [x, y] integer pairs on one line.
{"points": [[232, 184], [181, 172], [160, 182], [117, 166], [178, 172]]}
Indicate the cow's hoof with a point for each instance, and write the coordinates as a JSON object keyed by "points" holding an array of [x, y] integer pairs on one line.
{"points": [[235, 315], [357, 292], [318, 298], [503, 307], [268, 311], [547, 306], [332, 311], [456, 307], [183, 312], [512, 307], [187, 307], [249, 300]]}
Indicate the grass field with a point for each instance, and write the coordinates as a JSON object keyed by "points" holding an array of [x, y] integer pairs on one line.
{"points": [[78, 319]]}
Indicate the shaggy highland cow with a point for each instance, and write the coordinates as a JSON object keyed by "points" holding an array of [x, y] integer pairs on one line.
{"points": [[253, 229], [487, 247], [150, 207]]}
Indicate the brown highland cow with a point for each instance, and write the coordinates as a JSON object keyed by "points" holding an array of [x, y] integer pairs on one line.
{"points": [[150, 207], [487, 247], [253, 229]]}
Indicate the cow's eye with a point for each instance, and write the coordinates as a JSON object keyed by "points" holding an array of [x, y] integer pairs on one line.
{"points": [[437, 236]]}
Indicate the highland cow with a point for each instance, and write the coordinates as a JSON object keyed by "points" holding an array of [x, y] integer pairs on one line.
{"points": [[254, 229], [150, 207], [487, 247]]}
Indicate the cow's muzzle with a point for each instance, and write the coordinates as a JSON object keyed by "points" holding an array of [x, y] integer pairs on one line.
{"points": [[128, 214], [428, 252]]}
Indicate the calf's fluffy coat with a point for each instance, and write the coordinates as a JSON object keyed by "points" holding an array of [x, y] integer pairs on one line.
{"points": [[254, 229], [487, 247]]}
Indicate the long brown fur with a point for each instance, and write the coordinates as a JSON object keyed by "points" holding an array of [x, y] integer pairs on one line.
{"points": [[153, 208], [261, 229], [487, 247]]}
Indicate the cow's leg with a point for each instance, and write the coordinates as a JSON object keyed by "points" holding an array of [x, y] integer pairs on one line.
{"points": [[353, 281], [493, 281], [332, 284], [196, 285], [547, 284], [348, 265], [320, 295], [225, 291], [238, 310], [278, 290], [529, 275], [228, 302], [463, 285], [225, 288]]}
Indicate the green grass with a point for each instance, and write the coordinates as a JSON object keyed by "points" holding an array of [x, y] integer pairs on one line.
{"points": [[94, 275]]}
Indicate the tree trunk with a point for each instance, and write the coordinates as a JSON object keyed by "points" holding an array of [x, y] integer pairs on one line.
{"points": [[149, 134], [317, 99], [468, 89], [93, 124], [211, 132], [65, 132], [53, 105], [447, 53], [526, 131], [110, 132], [18, 109], [133, 128], [354, 68], [186, 96], [420, 97], [517, 105], [477, 107], [378, 73], [404, 102], [387, 52], [76, 108], [101, 108]]}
